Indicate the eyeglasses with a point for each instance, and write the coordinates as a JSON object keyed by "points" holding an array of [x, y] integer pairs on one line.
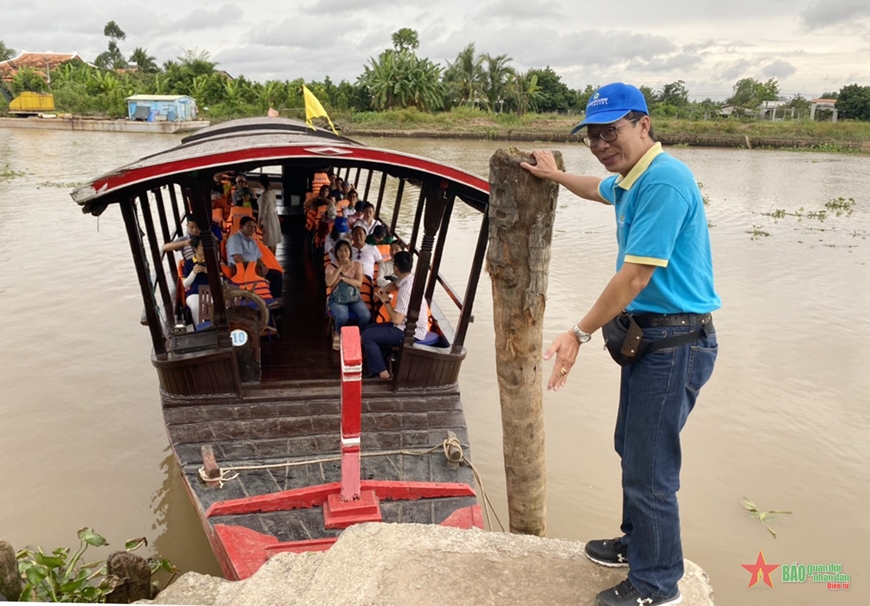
{"points": [[608, 135]]}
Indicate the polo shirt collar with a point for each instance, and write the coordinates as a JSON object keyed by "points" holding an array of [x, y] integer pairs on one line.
{"points": [[634, 174]]}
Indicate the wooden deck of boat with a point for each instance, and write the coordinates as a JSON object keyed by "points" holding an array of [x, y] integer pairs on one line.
{"points": [[301, 424], [302, 350]]}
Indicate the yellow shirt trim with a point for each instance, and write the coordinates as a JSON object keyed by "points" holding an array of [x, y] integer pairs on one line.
{"points": [[646, 261], [639, 168]]}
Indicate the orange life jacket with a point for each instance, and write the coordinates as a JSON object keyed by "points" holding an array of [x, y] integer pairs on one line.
{"points": [[246, 277]]}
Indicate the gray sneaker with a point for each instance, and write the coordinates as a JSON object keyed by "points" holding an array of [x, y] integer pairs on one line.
{"points": [[625, 594], [611, 553]]}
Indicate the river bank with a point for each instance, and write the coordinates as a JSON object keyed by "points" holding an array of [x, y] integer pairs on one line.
{"points": [[729, 133], [424, 565], [475, 125], [683, 139], [80, 123]]}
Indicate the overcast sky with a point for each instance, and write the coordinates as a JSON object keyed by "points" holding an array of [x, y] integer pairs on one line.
{"points": [[809, 46]]}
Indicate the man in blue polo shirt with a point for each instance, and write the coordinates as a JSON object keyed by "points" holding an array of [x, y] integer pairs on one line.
{"points": [[664, 279]]}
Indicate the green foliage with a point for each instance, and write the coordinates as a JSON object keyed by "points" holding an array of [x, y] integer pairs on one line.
{"points": [[555, 96], [7, 174], [112, 58], [841, 206], [761, 516], [28, 79], [527, 92], [756, 232], [6, 52], [749, 92], [799, 103], [854, 102], [113, 31], [398, 79], [406, 39], [649, 96], [584, 96], [464, 78], [497, 80], [674, 93], [59, 577], [144, 62]]}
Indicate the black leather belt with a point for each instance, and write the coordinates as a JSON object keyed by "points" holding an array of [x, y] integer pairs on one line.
{"points": [[654, 320]]}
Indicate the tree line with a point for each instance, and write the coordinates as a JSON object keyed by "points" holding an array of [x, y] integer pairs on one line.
{"points": [[397, 78]]}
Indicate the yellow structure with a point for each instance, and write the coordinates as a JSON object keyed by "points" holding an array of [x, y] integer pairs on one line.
{"points": [[32, 103]]}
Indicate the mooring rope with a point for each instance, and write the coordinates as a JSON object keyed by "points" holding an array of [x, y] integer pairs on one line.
{"points": [[451, 447]]}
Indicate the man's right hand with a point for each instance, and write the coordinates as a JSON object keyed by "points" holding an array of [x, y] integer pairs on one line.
{"points": [[545, 164]]}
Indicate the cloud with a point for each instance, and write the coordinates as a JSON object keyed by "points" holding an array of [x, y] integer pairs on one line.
{"points": [[680, 62], [206, 18], [508, 10], [735, 70], [823, 13], [779, 70]]}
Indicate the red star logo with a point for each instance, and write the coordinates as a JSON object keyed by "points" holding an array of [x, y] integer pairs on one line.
{"points": [[760, 570]]}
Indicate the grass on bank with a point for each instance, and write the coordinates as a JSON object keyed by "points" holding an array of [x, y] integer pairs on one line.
{"points": [[468, 120]]}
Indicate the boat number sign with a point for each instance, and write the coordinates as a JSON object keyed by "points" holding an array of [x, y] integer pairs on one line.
{"points": [[239, 337]]}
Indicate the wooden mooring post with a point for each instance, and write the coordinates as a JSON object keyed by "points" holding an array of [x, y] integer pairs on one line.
{"points": [[522, 209]]}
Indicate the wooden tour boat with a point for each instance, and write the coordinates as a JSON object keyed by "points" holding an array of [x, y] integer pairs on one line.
{"points": [[280, 441]]}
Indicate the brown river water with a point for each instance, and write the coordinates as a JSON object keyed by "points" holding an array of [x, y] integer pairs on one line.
{"points": [[784, 420]]}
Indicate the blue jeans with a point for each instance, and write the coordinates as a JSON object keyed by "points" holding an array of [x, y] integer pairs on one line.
{"points": [[656, 396], [373, 338], [341, 314]]}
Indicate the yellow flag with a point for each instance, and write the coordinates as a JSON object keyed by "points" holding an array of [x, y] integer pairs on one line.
{"points": [[313, 109]]}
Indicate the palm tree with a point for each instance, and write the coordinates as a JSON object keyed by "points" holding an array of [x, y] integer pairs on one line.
{"points": [[497, 76], [465, 76], [145, 63], [273, 94], [400, 79], [6, 52], [379, 77], [526, 91]]}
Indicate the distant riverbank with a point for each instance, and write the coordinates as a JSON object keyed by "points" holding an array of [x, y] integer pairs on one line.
{"points": [[799, 135]]}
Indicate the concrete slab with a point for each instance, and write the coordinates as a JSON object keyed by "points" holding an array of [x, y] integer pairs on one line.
{"points": [[425, 565]]}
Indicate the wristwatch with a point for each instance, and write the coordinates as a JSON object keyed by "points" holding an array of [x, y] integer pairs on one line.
{"points": [[581, 335]]}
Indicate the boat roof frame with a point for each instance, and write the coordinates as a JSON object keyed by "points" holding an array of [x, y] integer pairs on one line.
{"points": [[252, 143]]}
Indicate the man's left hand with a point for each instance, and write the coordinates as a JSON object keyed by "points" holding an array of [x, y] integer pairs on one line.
{"points": [[565, 348]]}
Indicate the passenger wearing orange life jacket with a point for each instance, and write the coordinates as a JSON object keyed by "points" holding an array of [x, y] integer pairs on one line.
{"points": [[243, 248], [246, 277], [393, 333], [386, 271]]}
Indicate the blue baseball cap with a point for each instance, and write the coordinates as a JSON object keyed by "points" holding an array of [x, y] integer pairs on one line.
{"points": [[341, 225], [612, 102]]}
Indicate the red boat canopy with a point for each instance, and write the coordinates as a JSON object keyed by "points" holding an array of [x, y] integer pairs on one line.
{"points": [[255, 142]]}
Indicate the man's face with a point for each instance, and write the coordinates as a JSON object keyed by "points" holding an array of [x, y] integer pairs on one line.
{"points": [[358, 237], [193, 228], [631, 143], [241, 182], [249, 228]]}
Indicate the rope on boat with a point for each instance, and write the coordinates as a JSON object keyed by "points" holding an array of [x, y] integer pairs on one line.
{"points": [[451, 447]]}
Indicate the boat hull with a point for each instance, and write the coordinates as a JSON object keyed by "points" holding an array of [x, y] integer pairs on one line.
{"points": [[290, 435]]}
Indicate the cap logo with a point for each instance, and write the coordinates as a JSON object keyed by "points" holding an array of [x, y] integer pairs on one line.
{"points": [[596, 101]]}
